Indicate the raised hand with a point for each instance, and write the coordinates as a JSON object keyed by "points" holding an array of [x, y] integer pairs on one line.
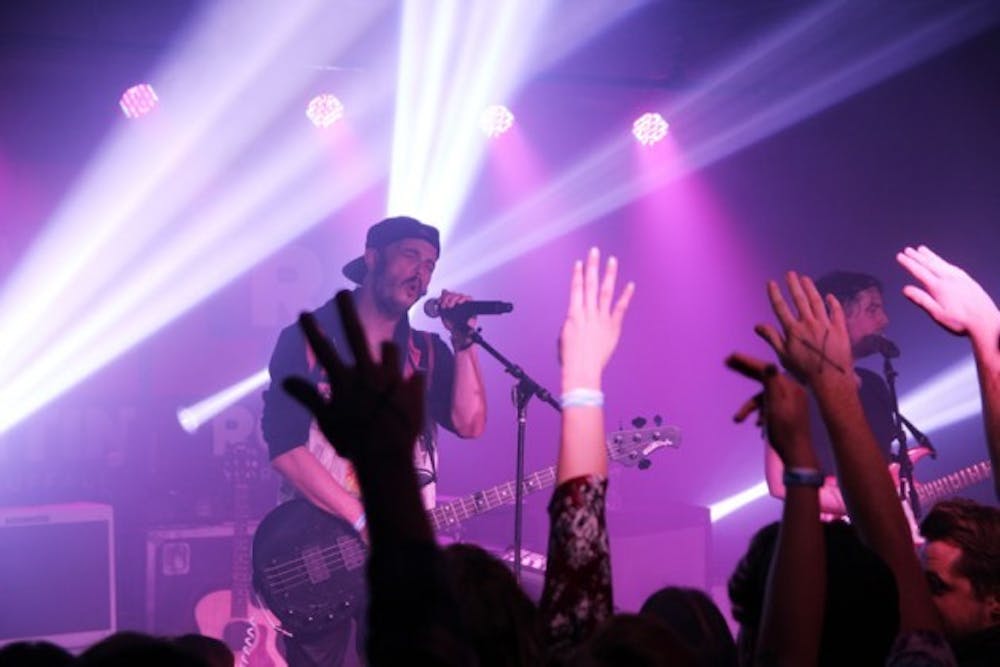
{"points": [[593, 323], [948, 294], [812, 341], [784, 410], [374, 410]]}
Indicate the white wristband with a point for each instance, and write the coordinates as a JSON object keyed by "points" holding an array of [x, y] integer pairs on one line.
{"points": [[582, 398], [360, 523]]}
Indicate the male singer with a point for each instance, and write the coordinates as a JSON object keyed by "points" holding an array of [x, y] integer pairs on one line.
{"points": [[394, 272]]}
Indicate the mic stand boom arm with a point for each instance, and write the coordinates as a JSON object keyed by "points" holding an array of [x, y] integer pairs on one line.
{"points": [[522, 393], [907, 489]]}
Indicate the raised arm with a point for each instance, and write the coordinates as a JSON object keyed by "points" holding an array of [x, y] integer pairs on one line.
{"points": [[577, 593], [374, 422], [792, 625], [814, 346], [961, 306], [468, 399]]}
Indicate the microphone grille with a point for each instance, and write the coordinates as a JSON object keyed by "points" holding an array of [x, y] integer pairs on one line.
{"points": [[432, 308]]}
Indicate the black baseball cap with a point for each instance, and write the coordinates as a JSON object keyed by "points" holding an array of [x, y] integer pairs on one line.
{"points": [[389, 231]]}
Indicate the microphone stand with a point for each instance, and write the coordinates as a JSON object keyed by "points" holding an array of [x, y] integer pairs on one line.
{"points": [[521, 394], [907, 489]]}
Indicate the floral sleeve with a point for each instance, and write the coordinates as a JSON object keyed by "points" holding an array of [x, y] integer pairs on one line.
{"points": [[577, 594]]}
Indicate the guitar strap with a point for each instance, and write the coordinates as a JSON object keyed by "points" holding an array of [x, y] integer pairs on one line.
{"points": [[422, 350]]}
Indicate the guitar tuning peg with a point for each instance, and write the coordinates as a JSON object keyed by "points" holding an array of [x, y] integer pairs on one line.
{"points": [[644, 463], [658, 420], [639, 422]]}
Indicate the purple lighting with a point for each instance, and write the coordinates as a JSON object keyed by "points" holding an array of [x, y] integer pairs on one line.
{"points": [[495, 120], [649, 128], [324, 110], [138, 100]]}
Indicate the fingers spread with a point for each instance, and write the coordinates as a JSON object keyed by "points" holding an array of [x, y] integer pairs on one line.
{"points": [[618, 314], [816, 305], [608, 285], [591, 280], [354, 332], [321, 347], [913, 262], [779, 306], [304, 393], [752, 405], [771, 337], [748, 366], [391, 362], [576, 289], [798, 294]]}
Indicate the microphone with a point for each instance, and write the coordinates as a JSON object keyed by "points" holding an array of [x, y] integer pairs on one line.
{"points": [[463, 311], [883, 346]]}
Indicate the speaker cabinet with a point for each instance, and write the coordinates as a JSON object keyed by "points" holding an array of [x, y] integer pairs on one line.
{"points": [[57, 578]]}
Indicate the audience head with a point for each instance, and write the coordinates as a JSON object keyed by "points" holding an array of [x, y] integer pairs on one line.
{"points": [[215, 652], [500, 621], [861, 616], [962, 563], [127, 649], [35, 654], [633, 640], [693, 616]]}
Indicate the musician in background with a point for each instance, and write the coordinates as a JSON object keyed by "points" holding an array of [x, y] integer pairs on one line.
{"points": [[861, 297], [394, 272]]}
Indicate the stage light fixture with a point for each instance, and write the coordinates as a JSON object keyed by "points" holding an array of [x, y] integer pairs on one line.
{"points": [[138, 101], [650, 128], [325, 110], [495, 120]]}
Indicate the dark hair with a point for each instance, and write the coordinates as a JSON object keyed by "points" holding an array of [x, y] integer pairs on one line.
{"points": [[861, 615], [501, 623], [697, 621], [126, 648], [35, 654], [975, 529], [846, 285], [636, 640]]}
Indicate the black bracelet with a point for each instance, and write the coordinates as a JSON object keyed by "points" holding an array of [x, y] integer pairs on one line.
{"points": [[468, 343], [803, 477]]}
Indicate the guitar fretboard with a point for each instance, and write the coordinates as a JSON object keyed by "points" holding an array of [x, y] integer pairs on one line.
{"points": [[953, 483], [452, 513]]}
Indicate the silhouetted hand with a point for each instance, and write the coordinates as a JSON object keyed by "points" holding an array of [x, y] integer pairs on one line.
{"points": [[949, 295], [812, 342], [783, 409], [593, 323], [373, 410]]}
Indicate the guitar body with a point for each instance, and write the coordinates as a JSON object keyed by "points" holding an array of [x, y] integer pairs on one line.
{"points": [[308, 567], [251, 639]]}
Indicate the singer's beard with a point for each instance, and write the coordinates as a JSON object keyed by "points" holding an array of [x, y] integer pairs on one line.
{"points": [[866, 347]]}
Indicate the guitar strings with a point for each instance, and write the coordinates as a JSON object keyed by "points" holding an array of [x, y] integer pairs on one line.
{"points": [[296, 570], [291, 573]]}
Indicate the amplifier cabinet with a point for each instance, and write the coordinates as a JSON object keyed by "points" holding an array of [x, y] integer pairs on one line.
{"points": [[183, 564], [57, 574]]}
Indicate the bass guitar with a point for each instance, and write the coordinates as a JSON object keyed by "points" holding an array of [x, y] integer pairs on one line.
{"points": [[308, 565]]}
